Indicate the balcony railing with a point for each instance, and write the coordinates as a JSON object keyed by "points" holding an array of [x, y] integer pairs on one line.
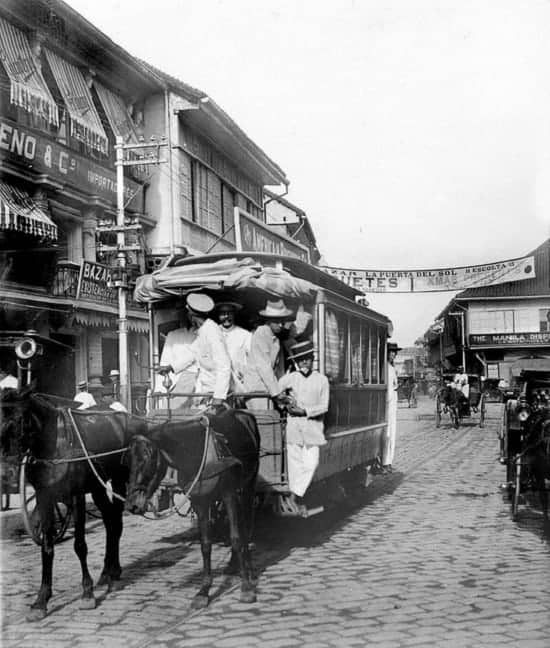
{"points": [[65, 282]]}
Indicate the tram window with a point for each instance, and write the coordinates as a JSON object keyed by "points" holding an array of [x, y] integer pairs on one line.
{"points": [[336, 343], [355, 347], [365, 353], [381, 356], [374, 353]]}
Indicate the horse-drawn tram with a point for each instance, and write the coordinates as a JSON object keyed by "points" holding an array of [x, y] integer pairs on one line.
{"points": [[234, 452], [349, 339]]}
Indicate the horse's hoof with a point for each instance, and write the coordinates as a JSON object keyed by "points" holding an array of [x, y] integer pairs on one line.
{"points": [[231, 569], [88, 603], [199, 602], [248, 596], [36, 614], [116, 585]]}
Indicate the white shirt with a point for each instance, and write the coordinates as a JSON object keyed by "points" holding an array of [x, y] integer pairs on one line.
{"points": [[311, 394], [392, 384], [237, 341], [8, 382], [86, 400], [118, 407], [210, 353], [460, 382]]}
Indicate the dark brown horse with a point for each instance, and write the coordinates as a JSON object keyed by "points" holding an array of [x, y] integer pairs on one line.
{"points": [[217, 459], [70, 453]]}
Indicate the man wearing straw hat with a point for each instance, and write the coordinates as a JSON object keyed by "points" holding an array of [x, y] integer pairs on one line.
{"points": [[265, 349], [308, 392], [389, 446], [83, 396]]}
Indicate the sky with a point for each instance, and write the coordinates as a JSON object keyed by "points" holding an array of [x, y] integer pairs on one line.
{"points": [[415, 134]]}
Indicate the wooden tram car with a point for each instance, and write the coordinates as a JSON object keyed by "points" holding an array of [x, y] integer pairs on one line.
{"points": [[350, 342]]}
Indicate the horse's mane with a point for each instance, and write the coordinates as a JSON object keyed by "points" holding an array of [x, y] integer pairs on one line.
{"points": [[55, 401]]}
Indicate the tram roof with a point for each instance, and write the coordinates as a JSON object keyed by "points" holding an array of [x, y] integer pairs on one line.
{"points": [[257, 269]]}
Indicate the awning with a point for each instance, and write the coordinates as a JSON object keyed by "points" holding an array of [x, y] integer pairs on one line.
{"points": [[18, 211], [230, 274], [119, 119], [85, 122], [28, 89]]}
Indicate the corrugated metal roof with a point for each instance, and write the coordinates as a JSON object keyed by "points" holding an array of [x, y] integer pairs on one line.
{"points": [[538, 286]]}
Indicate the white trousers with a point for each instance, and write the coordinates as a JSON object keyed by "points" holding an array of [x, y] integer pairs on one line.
{"points": [[389, 445], [302, 463]]}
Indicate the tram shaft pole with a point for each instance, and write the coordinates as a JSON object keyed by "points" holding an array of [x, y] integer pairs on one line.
{"points": [[121, 259]]}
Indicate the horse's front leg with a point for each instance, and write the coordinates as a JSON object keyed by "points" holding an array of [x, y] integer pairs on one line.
{"points": [[239, 548], [45, 507], [87, 601], [111, 513], [200, 600]]}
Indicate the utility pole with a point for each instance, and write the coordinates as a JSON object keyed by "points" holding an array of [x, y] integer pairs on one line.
{"points": [[460, 314], [120, 276]]}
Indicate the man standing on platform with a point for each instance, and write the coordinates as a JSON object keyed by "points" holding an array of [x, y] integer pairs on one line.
{"points": [[389, 446]]}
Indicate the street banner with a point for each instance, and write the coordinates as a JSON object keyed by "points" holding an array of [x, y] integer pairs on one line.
{"points": [[438, 279]]}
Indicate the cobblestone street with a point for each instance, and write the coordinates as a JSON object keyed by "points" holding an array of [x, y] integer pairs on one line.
{"points": [[430, 556]]}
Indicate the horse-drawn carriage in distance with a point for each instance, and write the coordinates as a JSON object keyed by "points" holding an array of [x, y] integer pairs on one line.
{"points": [[459, 406], [407, 390], [525, 431]]}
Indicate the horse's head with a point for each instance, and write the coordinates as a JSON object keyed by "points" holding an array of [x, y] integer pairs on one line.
{"points": [[18, 422], [147, 468]]}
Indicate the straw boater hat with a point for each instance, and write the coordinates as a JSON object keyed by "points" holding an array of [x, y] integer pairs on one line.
{"points": [[301, 350], [275, 310], [199, 304], [82, 384], [226, 305], [393, 346]]}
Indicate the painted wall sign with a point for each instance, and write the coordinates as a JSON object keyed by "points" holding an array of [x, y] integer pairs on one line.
{"points": [[93, 283], [44, 155], [255, 236], [509, 339], [439, 279]]}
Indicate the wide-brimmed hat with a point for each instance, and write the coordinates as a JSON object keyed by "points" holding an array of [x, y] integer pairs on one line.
{"points": [[114, 373], [393, 346], [301, 350], [276, 310], [199, 303], [82, 384], [228, 304]]}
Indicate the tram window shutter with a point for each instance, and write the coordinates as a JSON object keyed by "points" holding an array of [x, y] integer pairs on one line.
{"points": [[355, 340], [332, 346]]}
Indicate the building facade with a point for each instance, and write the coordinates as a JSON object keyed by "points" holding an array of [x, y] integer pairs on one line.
{"points": [[67, 92], [490, 328]]}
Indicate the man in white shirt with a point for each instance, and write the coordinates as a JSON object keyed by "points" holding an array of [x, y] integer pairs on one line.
{"points": [[391, 434], [308, 392], [7, 380], [178, 342], [108, 399], [83, 396], [237, 341], [208, 351]]}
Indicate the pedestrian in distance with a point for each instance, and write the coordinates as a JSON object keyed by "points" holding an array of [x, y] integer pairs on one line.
{"points": [[83, 396], [391, 433], [308, 393], [110, 400]]}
